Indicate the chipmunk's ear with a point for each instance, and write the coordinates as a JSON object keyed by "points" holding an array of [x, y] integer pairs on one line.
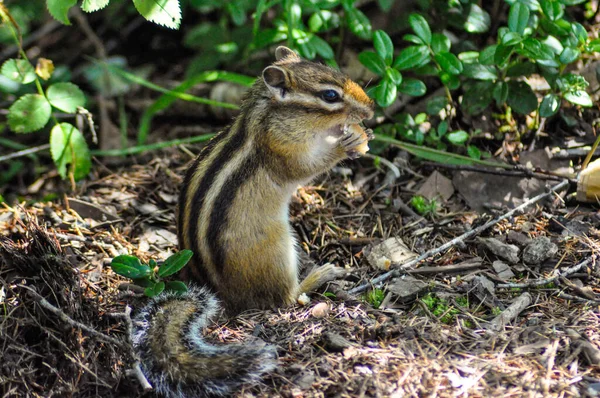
{"points": [[283, 52], [277, 80]]}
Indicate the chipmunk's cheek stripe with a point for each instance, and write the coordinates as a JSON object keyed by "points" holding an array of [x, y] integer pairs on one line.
{"points": [[219, 216], [228, 150]]}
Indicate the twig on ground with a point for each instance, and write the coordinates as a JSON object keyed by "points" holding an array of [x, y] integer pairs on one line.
{"points": [[510, 313], [464, 266], [388, 275], [518, 172], [65, 318], [545, 281], [591, 352]]}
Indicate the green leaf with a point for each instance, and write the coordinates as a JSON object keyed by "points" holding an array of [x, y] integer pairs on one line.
{"points": [[533, 48], [174, 263], [59, 9], [359, 24], [385, 5], [65, 96], [412, 39], [386, 93], [552, 9], [372, 61], [421, 27], [29, 113], [162, 12], [176, 287], [518, 17], [18, 70], [579, 31], [440, 43], [486, 57], [68, 147], [511, 39], [502, 55], [479, 72], [323, 48], [436, 104], [393, 75], [458, 137], [477, 21], [477, 97], [449, 63], [500, 93], [473, 152], [383, 46], [521, 98], [550, 105], [414, 87], [130, 267], [238, 14], [569, 55], [155, 289], [579, 97], [93, 5], [412, 57]]}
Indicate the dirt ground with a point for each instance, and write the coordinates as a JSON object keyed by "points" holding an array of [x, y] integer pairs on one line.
{"points": [[437, 341]]}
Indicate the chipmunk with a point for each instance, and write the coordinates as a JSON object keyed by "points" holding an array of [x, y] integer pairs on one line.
{"points": [[296, 122]]}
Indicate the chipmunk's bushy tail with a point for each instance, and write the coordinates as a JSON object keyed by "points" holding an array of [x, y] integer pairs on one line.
{"points": [[176, 359]]}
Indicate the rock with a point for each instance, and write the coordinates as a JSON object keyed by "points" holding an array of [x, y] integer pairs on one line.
{"points": [[507, 252], [392, 250], [336, 343], [539, 250], [518, 238], [407, 287], [503, 270], [321, 310], [436, 186]]}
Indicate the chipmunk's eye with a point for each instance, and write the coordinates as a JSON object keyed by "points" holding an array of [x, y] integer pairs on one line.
{"points": [[329, 96]]}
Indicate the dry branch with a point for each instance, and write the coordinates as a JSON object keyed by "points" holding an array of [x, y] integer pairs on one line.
{"points": [[510, 313]]}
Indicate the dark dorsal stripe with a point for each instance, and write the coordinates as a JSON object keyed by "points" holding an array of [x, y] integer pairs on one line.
{"points": [[219, 217], [227, 152], [183, 194]]}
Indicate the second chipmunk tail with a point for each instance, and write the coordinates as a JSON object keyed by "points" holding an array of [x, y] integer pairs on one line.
{"points": [[177, 360]]}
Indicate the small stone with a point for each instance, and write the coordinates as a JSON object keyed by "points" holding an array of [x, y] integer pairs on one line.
{"points": [[321, 310], [518, 238], [506, 252], [407, 287], [336, 343], [539, 250], [392, 250], [503, 270]]}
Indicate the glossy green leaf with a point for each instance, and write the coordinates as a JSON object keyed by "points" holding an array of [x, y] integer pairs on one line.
{"points": [[413, 39], [569, 55], [473, 152], [500, 93], [412, 57], [59, 9], [383, 46], [393, 75], [486, 57], [458, 137], [176, 287], [359, 24], [372, 61], [550, 105], [449, 63], [436, 104], [322, 47], [579, 97], [68, 148], [521, 97], [175, 263], [420, 27], [479, 72], [29, 113], [155, 290], [518, 17], [18, 70], [65, 96], [511, 39], [386, 93], [162, 12], [414, 87], [440, 43], [130, 267], [477, 20], [553, 9], [502, 55], [477, 97]]}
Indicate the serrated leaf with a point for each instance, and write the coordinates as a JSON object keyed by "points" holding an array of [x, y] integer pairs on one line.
{"points": [[550, 105], [579, 97], [521, 97], [59, 9], [29, 113], [162, 12], [358, 23], [412, 57], [68, 147], [129, 267], [175, 263], [65, 96], [93, 5], [414, 87], [458, 137], [18, 70], [372, 61], [518, 17], [420, 27], [383, 46], [449, 63]]}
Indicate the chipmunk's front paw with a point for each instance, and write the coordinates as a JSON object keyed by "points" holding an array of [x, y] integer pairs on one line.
{"points": [[355, 141]]}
